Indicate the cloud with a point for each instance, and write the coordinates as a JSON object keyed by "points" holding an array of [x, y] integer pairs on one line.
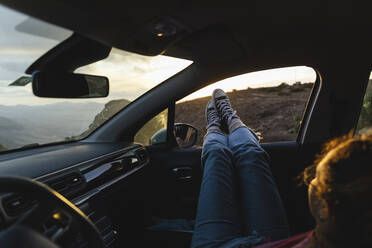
{"points": [[23, 40], [14, 66], [40, 28], [19, 49], [30, 34], [131, 74]]}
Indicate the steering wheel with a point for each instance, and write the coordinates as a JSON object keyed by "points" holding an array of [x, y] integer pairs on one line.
{"points": [[30, 230]]}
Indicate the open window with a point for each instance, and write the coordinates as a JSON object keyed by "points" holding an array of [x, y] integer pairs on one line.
{"points": [[271, 102], [365, 118]]}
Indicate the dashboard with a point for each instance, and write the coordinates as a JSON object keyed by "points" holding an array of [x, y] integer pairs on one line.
{"points": [[80, 177]]}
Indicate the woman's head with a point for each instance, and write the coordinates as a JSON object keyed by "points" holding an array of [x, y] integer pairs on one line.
{"points": [[340, 185]]}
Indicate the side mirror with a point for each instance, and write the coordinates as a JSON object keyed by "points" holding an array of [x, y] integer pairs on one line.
{"points": [[69, 85], [159, 137], [185, 134]]}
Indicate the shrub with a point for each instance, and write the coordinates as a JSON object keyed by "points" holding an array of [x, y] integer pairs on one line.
{"points": [[284, 93], [297, 119], [297, 89], [365, 119], [150, 128]]}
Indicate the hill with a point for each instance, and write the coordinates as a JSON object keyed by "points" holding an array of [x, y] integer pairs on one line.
{"points": [[275, 112], [21, 125], [109, 110]]}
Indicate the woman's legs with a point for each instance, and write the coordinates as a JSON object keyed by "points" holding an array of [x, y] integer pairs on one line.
{"points": [[217, 218], [261, 206], [238, 194]]}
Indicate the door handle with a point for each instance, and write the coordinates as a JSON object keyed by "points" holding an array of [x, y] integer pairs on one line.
{"points": [[183, 173]]}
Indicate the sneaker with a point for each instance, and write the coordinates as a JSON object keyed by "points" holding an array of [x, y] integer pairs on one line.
{"points": [[228, 115], [212, 117]]}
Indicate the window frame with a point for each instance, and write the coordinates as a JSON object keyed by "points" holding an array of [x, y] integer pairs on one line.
{"points": [[304, 123], [309, 108]]}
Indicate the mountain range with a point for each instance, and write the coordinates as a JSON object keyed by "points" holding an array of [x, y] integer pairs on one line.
{"points": [[22, 125]]}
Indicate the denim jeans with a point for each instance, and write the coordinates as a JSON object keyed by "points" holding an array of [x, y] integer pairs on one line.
{"points": [[239, 203]]}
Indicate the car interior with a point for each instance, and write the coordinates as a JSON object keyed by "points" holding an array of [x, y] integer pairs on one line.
{"points": [[106, 189]]}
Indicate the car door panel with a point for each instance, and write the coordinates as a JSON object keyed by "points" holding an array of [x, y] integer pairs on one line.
{"points": [[176, 197], [175, 176]]}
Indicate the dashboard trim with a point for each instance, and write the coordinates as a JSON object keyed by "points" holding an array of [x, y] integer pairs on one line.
{"points": [[81, 167], [88, 162], [82, 199]]}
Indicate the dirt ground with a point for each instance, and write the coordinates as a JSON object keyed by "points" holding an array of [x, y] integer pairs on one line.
{"points": [[274, 112]]}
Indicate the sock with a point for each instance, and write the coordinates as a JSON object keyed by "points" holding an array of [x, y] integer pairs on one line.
{"points": [[214, 128], [234, 124]]}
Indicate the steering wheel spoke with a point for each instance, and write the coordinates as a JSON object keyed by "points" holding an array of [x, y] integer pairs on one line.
{"points": [[53, 223], [36, 216], [48, 221]]}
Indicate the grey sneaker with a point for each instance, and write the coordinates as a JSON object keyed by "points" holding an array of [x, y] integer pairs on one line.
{"points": [[227, 113], [212, 117]]}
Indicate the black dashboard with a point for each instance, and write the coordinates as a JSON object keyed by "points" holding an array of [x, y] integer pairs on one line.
{"points": [[83, 172]]}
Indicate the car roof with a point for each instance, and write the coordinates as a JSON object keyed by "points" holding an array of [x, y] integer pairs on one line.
{"points": [[306, 32], [333, 37]]}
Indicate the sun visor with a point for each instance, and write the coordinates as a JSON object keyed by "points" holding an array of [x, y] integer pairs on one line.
{"points": [[76, 51]]}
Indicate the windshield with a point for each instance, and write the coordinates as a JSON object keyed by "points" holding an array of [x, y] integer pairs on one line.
{"points": [[26, 119]]}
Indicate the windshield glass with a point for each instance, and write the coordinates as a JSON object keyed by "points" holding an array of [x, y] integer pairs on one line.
{"points": [[26, 119]]}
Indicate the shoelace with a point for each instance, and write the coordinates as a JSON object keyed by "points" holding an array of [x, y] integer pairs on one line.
{"points": [[226, 110], [212, 116]]}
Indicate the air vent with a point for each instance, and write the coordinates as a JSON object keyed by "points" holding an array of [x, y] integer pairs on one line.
{"points": [[129, 162], [142, 155], [67, 184]]}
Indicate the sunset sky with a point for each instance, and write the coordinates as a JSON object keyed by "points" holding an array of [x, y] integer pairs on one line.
{"points": [[130, 75]]}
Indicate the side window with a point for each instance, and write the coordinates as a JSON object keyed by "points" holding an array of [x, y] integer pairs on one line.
{"points": [[154, 131], [271, 102], [365, 117]]}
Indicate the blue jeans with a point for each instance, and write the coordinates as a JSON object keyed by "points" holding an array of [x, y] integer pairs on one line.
{"points": [[239, 203]]}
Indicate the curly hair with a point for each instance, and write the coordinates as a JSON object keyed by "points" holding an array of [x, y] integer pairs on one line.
{"points": [[347, 184]]}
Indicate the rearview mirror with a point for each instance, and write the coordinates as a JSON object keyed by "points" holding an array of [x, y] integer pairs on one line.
{"points": [[69, 85]]}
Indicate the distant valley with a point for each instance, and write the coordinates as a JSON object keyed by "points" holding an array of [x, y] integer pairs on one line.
{"points": [[21, 125]]}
